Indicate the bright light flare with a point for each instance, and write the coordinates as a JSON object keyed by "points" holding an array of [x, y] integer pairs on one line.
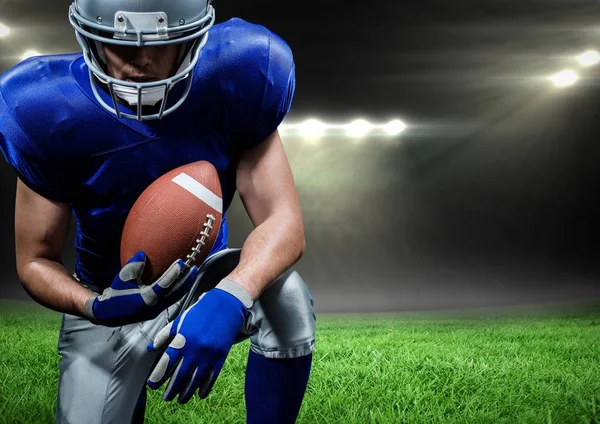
{"points": [[358, 128], [394, 128], [312, 129], [4, 30], [589, 58], [29, 53], [565, 78]]}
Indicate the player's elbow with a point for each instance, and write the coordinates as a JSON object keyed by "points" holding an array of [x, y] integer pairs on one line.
{"points": [[296, 249], [286, 227], [24, 272], [25, 269], [302, 245], [22, 267], [29, 261], [299, 239]]}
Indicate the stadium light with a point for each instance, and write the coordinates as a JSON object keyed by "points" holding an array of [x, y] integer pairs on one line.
{"points": [[312, 129], [4, 30], [589, 58], [358, 128], [394, 128], [565, 78], [29, 53]]}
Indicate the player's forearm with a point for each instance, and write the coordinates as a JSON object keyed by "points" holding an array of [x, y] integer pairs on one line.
{"points": [[270, 249], [50, 284]]}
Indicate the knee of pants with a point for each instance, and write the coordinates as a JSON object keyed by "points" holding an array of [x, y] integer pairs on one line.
{"points": [[282, 322]]}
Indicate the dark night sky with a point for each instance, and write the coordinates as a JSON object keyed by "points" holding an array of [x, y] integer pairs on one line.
{"points": [[488, 198]]}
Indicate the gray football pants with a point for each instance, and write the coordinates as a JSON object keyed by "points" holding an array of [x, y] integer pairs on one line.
{"points": [[103, 369]]}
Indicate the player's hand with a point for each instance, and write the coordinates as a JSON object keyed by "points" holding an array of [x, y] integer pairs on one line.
{"points": [[128, 300], [200, 340]]}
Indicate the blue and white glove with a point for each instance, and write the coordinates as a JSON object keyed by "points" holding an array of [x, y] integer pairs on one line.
{"points": [[128, 300], [200, 340]]}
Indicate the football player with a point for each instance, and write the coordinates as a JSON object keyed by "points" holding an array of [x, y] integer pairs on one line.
{"points": [[159, 85]]}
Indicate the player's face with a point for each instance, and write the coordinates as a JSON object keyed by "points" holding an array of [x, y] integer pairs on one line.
{"points": [[141, 64]]}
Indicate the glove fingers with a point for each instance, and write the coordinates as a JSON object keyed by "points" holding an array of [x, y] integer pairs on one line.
{"points": [[164, 368], [156, 293], [162, 285], [178, 380], [134, 268], [183, 285], [162, 337], [188, 391], [204, 391], [159, 372]]}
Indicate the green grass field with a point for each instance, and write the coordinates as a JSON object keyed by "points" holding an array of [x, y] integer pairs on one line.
{"points": [[522, 366]]}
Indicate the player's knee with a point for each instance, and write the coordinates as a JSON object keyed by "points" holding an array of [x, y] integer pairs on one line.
{"points": [[285, 318], [294, 289], [292, 295]]}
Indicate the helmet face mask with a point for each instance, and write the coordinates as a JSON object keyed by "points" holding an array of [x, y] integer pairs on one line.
{"points": [[98, 22]]}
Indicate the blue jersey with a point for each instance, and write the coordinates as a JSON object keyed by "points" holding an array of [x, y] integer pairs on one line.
{"points": [[67, 148]]}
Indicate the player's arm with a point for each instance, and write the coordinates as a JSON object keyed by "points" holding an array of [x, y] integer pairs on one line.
{"points": [[197, 340], [266, 187], [41, 227]]}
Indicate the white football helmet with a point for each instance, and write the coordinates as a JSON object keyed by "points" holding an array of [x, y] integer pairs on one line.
{"points": [[141, 23]]}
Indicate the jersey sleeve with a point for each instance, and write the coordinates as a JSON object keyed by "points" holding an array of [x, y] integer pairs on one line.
{"points": [[279, 90], [276, 93], [43, 176]]}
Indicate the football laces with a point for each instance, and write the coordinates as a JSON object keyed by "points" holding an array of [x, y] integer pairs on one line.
{"points": [[208, 226]]}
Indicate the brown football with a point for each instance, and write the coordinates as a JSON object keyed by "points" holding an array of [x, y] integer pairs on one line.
{"points": [[177, 217]]}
